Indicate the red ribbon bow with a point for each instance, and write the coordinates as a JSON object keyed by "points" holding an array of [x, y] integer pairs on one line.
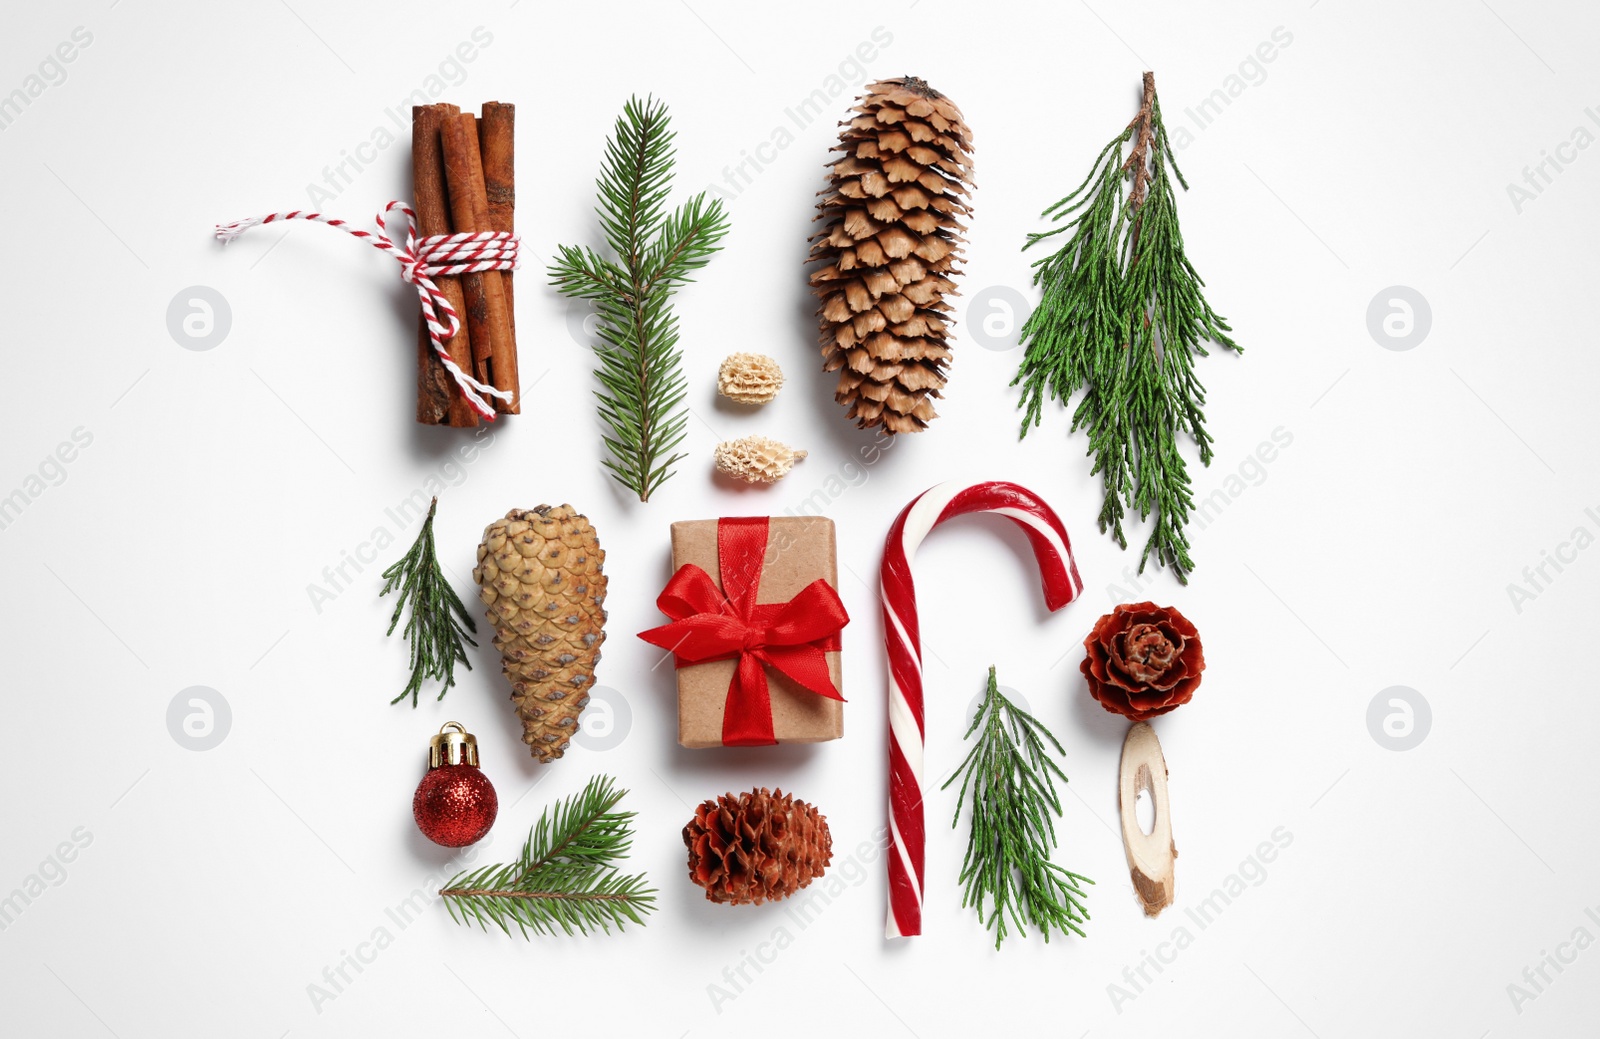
{"points": [[791, 637]]}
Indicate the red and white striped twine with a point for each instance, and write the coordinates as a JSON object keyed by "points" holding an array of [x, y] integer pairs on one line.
{"points": [[421, 262], [903, 640]]}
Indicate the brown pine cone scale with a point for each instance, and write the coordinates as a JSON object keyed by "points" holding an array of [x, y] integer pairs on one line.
{"points": [[889, 246], [762, 846], [540, 574]]}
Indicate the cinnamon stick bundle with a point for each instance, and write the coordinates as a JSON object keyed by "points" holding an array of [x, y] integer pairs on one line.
{"points": [[464, 183]]}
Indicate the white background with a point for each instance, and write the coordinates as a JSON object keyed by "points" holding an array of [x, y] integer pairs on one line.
{"points": [[1376, 550]]}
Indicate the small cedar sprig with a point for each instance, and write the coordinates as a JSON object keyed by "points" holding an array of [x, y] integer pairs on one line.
{"points": [[642, 387], [435, 628], [1007, 864], [1122, 317], [566, 878]]}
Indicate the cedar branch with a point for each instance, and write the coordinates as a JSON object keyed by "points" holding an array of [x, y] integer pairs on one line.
{"points": [[439, 621], [1121, 317], [1012, 777]]}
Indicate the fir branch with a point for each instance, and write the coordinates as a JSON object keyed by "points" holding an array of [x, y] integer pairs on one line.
{"points": [[565, 878], [1012, 779], [642, 387], [1121, 318], [439, 621]]}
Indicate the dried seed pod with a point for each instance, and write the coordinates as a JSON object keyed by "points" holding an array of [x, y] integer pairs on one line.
{"points": [[749, 378], [756, 459]]}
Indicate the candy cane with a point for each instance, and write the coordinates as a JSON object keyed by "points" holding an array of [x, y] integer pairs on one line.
{"points": [[903, 641]]}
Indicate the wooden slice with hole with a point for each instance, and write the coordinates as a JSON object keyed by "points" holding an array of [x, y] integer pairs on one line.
{"points": [[1150, 855]]}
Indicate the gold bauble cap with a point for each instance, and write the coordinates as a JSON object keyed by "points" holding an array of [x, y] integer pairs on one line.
{"points": [[453, 746]]}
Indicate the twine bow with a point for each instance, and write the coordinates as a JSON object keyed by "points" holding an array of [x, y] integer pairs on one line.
{"points": [[420, 262], [790, 637]]}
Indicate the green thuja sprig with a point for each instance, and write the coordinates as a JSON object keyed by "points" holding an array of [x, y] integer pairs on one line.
{"points": [[642, 386], [1121, 317], [566, 878], [439, 621], [1007, 866]]}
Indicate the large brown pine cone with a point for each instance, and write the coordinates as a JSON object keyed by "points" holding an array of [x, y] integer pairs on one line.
{"points": [[747, 849], [889, 249], [540, 574]]}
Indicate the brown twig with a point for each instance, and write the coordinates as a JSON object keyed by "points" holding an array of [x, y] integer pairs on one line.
{"points": [[562, 896], [1139, 161], [1140, 158]]}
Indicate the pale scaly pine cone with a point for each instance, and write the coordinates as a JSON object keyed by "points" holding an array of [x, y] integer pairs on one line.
{"points": [[756, 459], [540, 573], [889, 248]]}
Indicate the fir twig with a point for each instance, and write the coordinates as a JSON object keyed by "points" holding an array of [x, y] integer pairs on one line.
{"points": [[439, 621], [1012, 779], [565, 878], [642, 386], [1121, 318]]}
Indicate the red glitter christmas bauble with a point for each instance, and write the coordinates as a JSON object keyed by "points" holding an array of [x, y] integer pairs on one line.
{"points": [[455, 805]]}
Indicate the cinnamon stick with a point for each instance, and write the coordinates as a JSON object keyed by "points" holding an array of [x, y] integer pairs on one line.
{"points": [[496, 140], [487, 318], [477, 314], [438, 399]]}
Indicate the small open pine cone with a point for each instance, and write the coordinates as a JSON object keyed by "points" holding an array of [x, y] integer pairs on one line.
{"points": [[746, 849], [1142, 660]]}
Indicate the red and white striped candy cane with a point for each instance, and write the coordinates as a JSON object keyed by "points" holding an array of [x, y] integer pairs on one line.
{"points": [[420, 262], [903, 640]]}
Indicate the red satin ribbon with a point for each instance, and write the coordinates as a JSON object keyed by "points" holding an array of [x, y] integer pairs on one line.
{"points": [[791, 637]]}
